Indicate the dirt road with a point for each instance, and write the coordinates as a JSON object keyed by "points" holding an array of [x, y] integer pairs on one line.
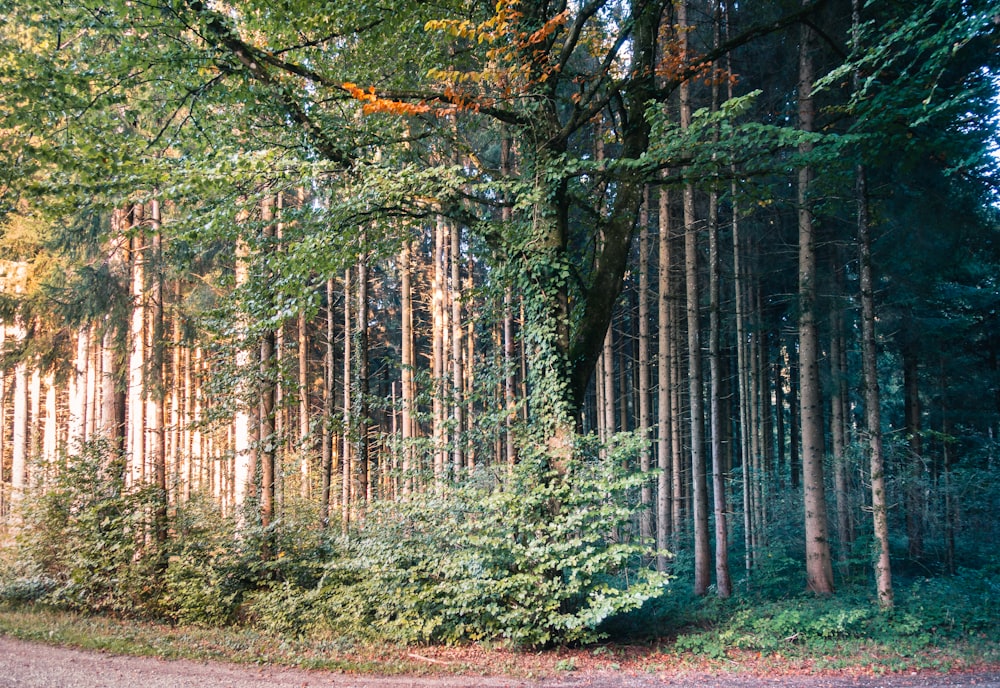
{"points": [[29, 665]]}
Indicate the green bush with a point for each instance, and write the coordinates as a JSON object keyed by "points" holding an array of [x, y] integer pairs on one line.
{"points": [[87, 534], [530, 560]]}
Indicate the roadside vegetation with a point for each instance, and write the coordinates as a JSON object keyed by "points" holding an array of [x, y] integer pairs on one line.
{"points": [[441, 583]]}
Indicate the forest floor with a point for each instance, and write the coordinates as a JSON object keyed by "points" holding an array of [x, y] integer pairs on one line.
{"points": [[34, 665]]}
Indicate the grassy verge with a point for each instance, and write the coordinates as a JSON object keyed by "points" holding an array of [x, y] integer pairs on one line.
{"points": [[724, 648], [239, 645]]}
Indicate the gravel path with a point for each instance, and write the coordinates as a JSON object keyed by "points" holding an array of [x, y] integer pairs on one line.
{"points": [[29, 665]]}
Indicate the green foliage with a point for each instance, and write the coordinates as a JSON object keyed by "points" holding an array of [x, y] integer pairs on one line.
{"points": [[530, 561], [86, 533], [961, 606]]}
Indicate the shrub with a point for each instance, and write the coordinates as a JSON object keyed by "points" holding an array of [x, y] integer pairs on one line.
{"points": [[529, 560], [86, 534]]}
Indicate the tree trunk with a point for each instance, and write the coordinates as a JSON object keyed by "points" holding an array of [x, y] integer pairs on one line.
{"points": [[438, 352], [408, 364], [702, 549], [645, 412], [873, 419], [156, 389], [457, 370], [915, 480], [244, 468], [346, 459], [328, 448], [818, 565], [136, 437], [664, 449], [723, 582], [363, 454]]}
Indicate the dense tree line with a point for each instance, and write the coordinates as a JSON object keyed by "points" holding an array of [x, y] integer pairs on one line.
{"points": [[317, 258]]}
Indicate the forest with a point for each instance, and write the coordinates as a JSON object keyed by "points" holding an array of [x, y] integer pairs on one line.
{"points": [[499, 320]]}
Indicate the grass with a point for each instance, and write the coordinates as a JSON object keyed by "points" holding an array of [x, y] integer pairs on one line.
{"points": [[720, 649]]}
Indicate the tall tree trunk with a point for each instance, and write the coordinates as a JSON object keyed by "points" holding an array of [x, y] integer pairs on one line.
{"points": [[19, 436], [869, 365], [50, 439], [702, 549], [818, 565], [329, 448], [305, 441], [78, 390], [363, 456], [346, 461], [267, 407], [457, 370], [408, 392], [156, 388], [645, 412], [723, 582], [438, 352], [509, 370], [838, 427], [664, 449], [915, 479], [136, 438], [244, 459]]}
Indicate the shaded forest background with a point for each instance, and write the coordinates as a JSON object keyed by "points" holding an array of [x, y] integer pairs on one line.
{"points": [[465, 320]]}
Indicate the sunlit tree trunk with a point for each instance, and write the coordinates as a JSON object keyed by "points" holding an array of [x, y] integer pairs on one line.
{"points": [[50, 437], [408, 365], [267, 364], [363, 454], [19, 436], [438, 353], [346, 458], [329, 448], [457, 370], [243, 468], [78, 390], [136, 422], [156, 386]]}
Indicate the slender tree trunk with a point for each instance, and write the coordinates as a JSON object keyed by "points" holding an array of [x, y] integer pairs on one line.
{"points": [[664, 450], [457, 370], [156, 387], [267, 408], [19, 436], [244, 468], [408, 392], [438, 352], [818, 565], [328, 445], [50, 440], [78, 391], [645, 412], [915, 479], [702, 549], [177, 391], [363, 456], [723, 582], [873, 418], [346, 460], [137, 355], [743, 385], [838, 430]]}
